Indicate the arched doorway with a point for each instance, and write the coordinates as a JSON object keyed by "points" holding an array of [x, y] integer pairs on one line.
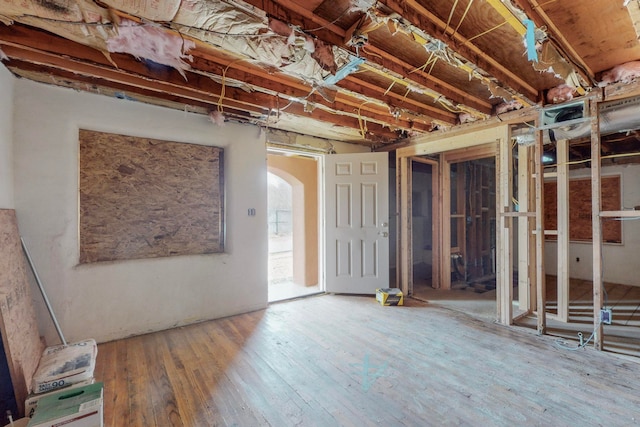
{"points": [[293, 226], [279, 212]]}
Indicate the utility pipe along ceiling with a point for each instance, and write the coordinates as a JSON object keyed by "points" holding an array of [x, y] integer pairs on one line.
{"points": [[362, 71]]}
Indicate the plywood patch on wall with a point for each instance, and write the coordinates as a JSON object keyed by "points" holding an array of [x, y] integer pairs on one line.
{"points": [[146, 198], [580, 208], [20, 336]]}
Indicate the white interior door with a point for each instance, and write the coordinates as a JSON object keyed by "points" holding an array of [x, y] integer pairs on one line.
{"points": [[356, 215]]}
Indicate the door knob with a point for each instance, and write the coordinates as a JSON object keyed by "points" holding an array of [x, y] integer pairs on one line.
{"points": [[384, 234]]}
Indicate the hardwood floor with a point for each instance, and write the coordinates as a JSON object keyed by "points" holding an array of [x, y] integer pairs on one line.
{"points": [[621, 336], [337, 360]]}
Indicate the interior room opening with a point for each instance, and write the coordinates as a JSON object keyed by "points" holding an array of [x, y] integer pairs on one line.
{"points": [[293, 225]]}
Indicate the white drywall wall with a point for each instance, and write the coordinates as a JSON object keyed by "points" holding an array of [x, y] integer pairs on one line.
{"points": [[621, 261], [6, 138], [111, 300]]}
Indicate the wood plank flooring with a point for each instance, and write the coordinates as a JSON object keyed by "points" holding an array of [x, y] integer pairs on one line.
{"points": [[337, 360], [622, 336]]}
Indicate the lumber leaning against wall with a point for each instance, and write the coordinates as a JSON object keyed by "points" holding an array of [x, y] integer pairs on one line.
{"points": [[20, 334]]}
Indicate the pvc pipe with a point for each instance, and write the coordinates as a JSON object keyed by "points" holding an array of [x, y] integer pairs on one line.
{"points": [[44, 294]]}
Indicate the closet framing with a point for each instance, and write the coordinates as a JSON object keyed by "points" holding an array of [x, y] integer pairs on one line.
{"points": [[493, 138]]}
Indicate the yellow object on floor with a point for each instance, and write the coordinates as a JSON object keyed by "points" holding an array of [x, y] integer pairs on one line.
{"points": [[389, 296]]}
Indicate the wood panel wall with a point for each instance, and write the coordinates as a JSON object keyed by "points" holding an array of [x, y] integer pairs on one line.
{"points": [[20, 336], [145, 198], [580, 208]]}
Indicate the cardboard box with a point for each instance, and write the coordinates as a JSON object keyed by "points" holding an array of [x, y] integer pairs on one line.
{"points": [[389, 296], [78, 407], [63, 365], [31, 402]]}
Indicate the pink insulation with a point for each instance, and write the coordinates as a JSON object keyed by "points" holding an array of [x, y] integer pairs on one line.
{"points": [[280, 27], [217, 118], [560, 94], [309, 45], [508, 106], [152, 42], [624, 73], [323, 54], [283, 29], [466, 118], [293, 50]]}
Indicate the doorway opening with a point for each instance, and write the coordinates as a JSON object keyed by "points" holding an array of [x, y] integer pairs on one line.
{"points": [[466, 254], [473, 225], [293, 226], [422, 224]]}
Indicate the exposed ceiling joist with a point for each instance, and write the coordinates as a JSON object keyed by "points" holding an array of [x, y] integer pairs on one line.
{"points": [[332, 34], [197, 87], [417, 75], [422, 18], [371, 73], [532, 9], [393, 99]]}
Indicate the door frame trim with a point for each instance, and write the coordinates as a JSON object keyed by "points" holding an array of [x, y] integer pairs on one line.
{"points": [[319, 157], [494, 142]]}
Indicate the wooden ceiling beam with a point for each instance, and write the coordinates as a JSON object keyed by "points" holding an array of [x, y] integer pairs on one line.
{"points": [[20, 34], [390, 62], [422, 18], [255, 75], [321, 22], [372, 130], [342, 102], [52, 75], [198, 88], [249, 73], [209, 62], [384, 118], [427, 80], [332, 34], [537, 14], [382, 115], [129, 79], [30, 38], [259, 77], [69, 79], [391, 98], [305, 20]]}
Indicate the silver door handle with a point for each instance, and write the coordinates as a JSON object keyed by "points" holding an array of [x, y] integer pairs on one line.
{"points": [[384, 233]]}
